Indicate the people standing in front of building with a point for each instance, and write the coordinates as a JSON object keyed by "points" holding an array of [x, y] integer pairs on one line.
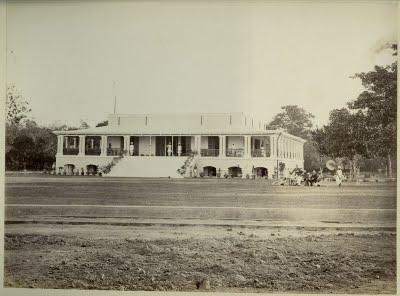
{"points": [[131, 149], [313, 178], [169, 149], [179, 149], [339, 176]]}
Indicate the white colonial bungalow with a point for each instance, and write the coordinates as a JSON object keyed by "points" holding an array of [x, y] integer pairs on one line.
{"points": [[176, 145]]}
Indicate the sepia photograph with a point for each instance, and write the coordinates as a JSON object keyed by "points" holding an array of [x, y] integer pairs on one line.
{"points": [[173, 147]]}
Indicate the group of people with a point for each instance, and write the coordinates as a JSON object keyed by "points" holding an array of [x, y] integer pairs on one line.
{"points": [[298, 177]]}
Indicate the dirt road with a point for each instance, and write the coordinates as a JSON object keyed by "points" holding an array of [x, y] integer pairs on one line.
{"points": [[219, 235]]}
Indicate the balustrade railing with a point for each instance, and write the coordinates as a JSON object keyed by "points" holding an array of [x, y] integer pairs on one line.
{"points": [[94, 151], [70, 151], [209, 152], [237, 152], [114, 151], [258, 153]]}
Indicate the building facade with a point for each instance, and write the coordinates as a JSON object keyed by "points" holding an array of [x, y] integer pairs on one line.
{"points": [[172, 145]]}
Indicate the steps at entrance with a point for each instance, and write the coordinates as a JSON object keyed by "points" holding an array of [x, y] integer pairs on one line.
{"points": [[147, 166]]}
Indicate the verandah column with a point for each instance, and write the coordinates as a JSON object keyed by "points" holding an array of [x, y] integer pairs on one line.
{"points": [[278, 147], [272, 146], [221, 147], [301, 152], [286, 147], [60, 141], [81, 145], [103, 145], [298, 151], [248, 146], [245, 146], [126, 144], [197, 143], [291, 149]]}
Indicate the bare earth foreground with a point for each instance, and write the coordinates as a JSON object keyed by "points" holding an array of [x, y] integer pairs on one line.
{"points": [[219, 235]]}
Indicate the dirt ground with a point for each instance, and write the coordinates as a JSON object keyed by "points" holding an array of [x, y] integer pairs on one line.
{"points": [[212, 235], [228, 259]]}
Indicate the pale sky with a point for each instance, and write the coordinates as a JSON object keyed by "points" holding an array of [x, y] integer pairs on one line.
{"points": [[187, 57]]}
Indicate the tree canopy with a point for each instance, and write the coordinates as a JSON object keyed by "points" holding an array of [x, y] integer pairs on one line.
{"points": [[294, 119], [17, 106], [368, 126]]}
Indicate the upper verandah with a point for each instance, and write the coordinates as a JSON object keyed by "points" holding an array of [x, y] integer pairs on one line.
{"points": [[180, 124]]}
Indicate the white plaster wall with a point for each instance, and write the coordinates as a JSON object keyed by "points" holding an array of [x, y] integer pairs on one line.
{"points": [[245, 163], [82, 161], [222, 163]]}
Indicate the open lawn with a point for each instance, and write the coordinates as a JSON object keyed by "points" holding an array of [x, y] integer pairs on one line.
{"points": [[165, 234]]}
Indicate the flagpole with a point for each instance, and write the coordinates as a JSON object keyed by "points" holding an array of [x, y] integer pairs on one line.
{"points": [[115, 97]]}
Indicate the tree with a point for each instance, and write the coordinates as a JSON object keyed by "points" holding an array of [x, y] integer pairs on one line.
{"points": [[17, 106], [368, 127], [32, 147], [21, 152], [294, 119], [298, 122], [378, 102], [343, 138], [61, 127]]}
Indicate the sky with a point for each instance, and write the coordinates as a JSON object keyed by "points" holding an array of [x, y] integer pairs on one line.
{"points": [[191, 57]]}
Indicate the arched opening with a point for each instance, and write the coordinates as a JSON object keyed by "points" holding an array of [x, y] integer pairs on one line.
{"points": [[91, 169], [261, 172], [209, 171], [69, 169], [235, 172]]}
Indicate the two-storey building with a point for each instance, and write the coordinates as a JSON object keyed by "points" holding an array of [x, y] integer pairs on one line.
{"points": [[157, 145]]}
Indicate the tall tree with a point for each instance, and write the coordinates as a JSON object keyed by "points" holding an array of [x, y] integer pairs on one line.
{"points": [[17, 106], [378, 102], [294, 119], [343, 138], [298, 122], [28, 146], [33, 147]]}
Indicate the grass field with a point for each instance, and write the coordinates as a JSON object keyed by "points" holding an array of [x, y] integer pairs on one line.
{"points": [[233, 235]]}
